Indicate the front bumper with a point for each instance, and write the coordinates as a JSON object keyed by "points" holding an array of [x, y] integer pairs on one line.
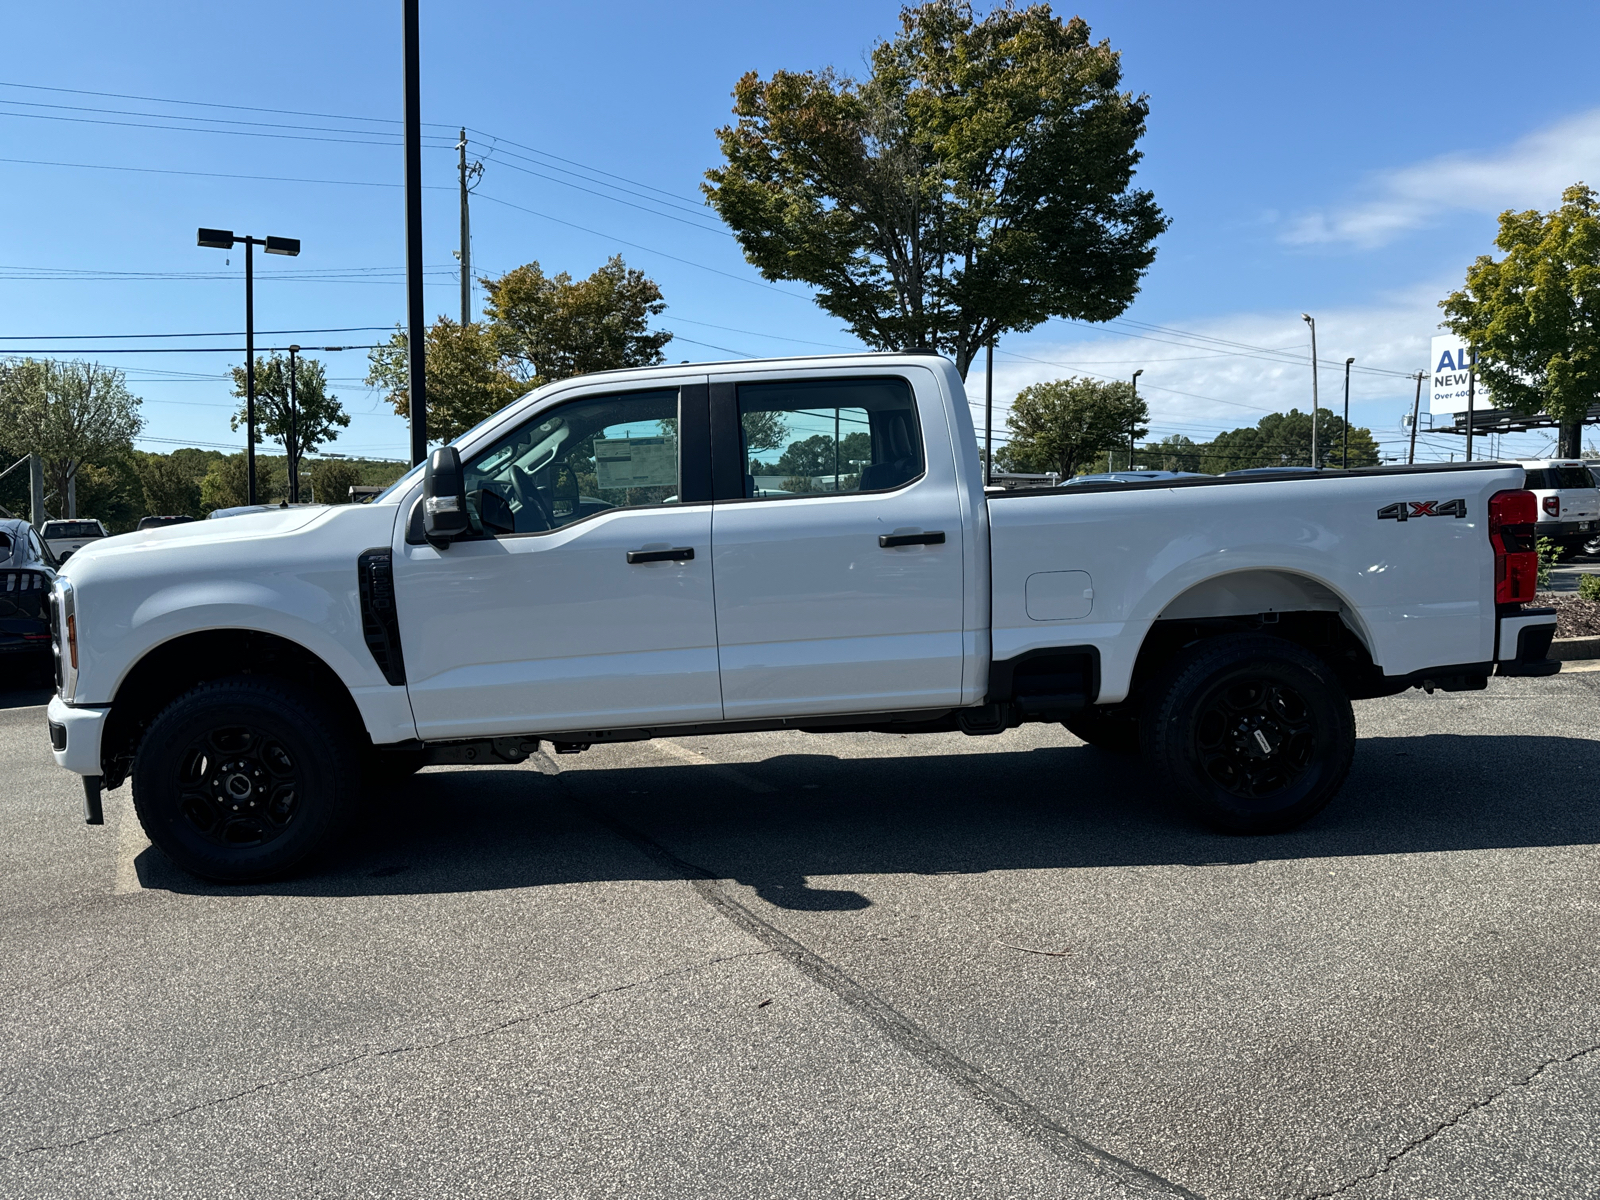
{"points": [[1524, 643], [75, 735]]}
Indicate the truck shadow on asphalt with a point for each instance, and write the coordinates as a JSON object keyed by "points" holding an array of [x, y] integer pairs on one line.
{"points": [[488, 829]]}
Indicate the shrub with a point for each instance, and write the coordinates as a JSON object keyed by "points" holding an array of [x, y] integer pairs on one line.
{"points": [[1589, 587]]}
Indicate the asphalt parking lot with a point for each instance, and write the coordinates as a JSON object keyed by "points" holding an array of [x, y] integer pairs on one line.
{"points": [[790, 965]]}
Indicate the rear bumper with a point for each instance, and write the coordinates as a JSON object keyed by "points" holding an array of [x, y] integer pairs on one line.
{"points": [[75, 735], [1525, 643], [1563, 529]]}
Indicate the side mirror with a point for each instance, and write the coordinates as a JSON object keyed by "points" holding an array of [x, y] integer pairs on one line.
{"points": [[444, 498]]}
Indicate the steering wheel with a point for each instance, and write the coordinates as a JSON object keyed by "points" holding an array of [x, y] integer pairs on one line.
{"points": [[529, 498]]}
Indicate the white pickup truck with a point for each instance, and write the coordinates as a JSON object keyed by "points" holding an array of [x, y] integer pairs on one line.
{"points": [[595, 564]]}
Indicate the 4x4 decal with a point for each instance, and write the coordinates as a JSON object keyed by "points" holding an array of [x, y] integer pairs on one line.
{"points": [[1404, 510]]}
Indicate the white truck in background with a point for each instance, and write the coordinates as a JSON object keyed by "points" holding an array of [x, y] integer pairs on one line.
{"points": [[595, 564]]}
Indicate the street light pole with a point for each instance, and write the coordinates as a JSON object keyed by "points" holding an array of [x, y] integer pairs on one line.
{"points": [[1311, 321], [416, 377], [1133, 416], [224, 239], [294, 432], [1347, 363]]}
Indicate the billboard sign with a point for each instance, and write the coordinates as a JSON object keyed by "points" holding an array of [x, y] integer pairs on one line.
{"points": [[1451, 360]]}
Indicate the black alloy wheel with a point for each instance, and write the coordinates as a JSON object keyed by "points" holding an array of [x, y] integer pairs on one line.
{"points": [[1254, 737], [243, 779], [238, 786], [1256, 732]]}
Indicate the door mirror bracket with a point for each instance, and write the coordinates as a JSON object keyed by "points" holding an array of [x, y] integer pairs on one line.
{"points": [[444, 498]]}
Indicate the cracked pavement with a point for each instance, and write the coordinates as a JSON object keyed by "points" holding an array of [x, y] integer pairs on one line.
{"points": [[857, 965]]}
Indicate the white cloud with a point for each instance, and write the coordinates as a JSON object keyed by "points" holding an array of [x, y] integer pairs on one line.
{"points": [[1194, 388], [1530, 173]]}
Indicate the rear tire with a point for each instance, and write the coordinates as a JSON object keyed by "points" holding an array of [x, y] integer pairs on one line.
{"points": [[1256, 732], [1113, 733], [243, 779]]}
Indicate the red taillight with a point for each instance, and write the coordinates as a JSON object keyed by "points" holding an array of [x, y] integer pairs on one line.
{"points": [[1512, 516], [1552, 506]]}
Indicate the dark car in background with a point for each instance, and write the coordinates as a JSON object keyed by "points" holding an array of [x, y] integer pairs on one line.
{"points": [[27, 571]]}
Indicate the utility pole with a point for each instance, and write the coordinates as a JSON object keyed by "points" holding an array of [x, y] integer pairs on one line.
{"points": [[1347, 363], [469, 176], [294, 432], [415, 314], [1472, 377], [988, 418], [1311, 321], [249, 372], [36, 513], [1416, 413], [1133, 416]]}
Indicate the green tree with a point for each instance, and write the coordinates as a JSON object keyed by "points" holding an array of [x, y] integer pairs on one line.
{"points": [[813, 456], [113, 494], [1061, 425], [540, 328], [1172, 453], [467, 377], [226, 484], [978, 181], [69, 413], [332, 479], [1534, 316], [169, 489], [1284, 440], [554, 328], [303, 422]]}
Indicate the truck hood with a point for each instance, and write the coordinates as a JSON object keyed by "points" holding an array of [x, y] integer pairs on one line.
{"points": [[202, 545]]}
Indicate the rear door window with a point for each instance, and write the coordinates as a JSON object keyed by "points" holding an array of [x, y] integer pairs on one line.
{"points": [[831, 435]]}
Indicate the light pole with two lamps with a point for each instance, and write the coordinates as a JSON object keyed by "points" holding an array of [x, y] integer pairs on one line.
{"points": [[224, 239]]}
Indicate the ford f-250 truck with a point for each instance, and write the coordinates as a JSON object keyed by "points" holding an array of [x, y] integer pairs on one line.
{"points": [[596, 563]]}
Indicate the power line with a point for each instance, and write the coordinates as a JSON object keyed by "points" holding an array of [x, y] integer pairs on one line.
{"points": [[639, 246], [291, 137], [41, 162], [58, 337], [290, 112]]}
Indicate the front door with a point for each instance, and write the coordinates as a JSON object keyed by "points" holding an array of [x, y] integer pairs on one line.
{"points": [[839, 569], [583, 600]]}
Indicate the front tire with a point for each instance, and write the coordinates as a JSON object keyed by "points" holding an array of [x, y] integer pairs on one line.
{"points": [[1256, 732], [243, 779]]}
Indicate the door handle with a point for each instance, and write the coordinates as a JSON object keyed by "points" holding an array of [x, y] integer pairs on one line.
{"points": [[934, 537], [676, 554]]}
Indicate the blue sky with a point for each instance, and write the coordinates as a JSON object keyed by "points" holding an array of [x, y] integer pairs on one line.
{"points": [[1344, 160]]}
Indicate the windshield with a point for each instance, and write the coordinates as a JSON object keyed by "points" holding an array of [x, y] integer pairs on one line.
{"points": [[73, 529]]}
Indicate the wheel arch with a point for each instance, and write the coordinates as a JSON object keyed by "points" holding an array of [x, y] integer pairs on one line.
{"points": [[1280, 602], [171, 668]]}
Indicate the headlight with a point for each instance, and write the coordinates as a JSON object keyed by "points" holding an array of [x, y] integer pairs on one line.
{"points": [[64, 625]]}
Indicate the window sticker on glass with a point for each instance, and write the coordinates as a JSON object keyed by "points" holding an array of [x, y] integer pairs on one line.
{"points": [[636, 462]]}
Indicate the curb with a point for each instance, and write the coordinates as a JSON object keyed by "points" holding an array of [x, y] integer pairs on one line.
{"points": [[1574, 648]]}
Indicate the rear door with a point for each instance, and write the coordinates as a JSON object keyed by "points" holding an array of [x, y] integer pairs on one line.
{"points": [[838, 545], [583, 600]]}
